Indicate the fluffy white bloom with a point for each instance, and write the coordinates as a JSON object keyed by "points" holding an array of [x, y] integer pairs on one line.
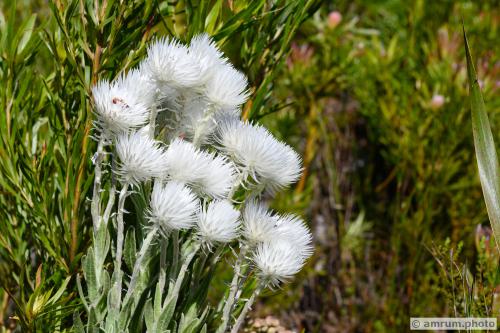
{"points": [[276, 262], [207, 55], [293, 229], [258, 223], [259, 154], [141, 158], [218, 178], [218, 223], [173, 206], [207, 173], [124, 103], [184, 162], [171, 65], [227, 87]]}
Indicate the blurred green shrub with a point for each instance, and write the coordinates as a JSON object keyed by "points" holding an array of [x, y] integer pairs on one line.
{"points": [[379, 105]]}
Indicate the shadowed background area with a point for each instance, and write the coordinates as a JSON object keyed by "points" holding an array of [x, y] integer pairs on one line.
{"points": [[372, 94]]}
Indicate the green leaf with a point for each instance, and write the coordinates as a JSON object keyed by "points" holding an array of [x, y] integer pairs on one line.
{"points": [[212, 17], [88, 266], [130, 249], [27, 30], [77, 323], [59, 292], [148, 315], [486, 155]]}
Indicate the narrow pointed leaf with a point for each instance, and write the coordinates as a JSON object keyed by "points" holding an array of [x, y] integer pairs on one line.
{"points": [[486, 155]]}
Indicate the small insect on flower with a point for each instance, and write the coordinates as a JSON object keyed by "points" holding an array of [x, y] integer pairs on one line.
{"points": [[173, 206], [293, 229], [227, 88], [218, 223], [170, 64], [259, 154], [141, 158], [121, 105], [258, 223], [276, 262]]}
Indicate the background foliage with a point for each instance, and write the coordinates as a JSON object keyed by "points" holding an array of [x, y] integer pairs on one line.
{"points": [[390, 187]]}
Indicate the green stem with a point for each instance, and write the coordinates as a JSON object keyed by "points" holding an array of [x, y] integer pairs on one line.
{"points": [[175, 259], [152, 122], [163, 263], [119, 242], [202, 125], [182, 272], [139, 262], [95, 207], [226, 312], [248, 304]]}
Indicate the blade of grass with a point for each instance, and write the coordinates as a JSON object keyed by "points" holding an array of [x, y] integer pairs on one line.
{"points": [[486, 155]]}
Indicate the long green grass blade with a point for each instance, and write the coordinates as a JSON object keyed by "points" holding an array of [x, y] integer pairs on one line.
{"points": [[486, 155]]}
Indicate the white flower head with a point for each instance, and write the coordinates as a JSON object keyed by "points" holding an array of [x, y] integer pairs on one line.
{"points": [[227, 87], [120, 105], [293, 229], [207, 54], [276, 262], [185, 163], [171, 65], [258, 223], [173, 206], [141, 158], [259, 154], [205, 172], [218, 222], [218, 177]]}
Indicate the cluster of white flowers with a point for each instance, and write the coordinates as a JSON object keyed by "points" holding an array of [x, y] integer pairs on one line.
{"points": [[174, 121]]}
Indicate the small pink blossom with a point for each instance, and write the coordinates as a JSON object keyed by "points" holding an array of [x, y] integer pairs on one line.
{"points": [[334, 19]]}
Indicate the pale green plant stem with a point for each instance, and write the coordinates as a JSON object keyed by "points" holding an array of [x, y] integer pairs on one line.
{"points": [[248, 304], [139, 262], [228, 306], [96, 195], [109, 206], [175, 259], [199, 269], [119, 241], [202, 125], [111, 198], [152, 122], [182, 273], [242, 281], [163, 263], [237, 182]]}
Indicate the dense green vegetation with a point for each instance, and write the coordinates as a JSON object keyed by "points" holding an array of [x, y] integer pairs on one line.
{"points": [[375, 100]]}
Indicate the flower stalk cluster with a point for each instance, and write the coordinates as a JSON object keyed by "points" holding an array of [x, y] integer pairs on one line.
{"points": [[190, 175]]}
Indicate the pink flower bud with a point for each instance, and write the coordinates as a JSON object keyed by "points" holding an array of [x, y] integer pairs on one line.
{"points": [[437, 101], [334, 18]]}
